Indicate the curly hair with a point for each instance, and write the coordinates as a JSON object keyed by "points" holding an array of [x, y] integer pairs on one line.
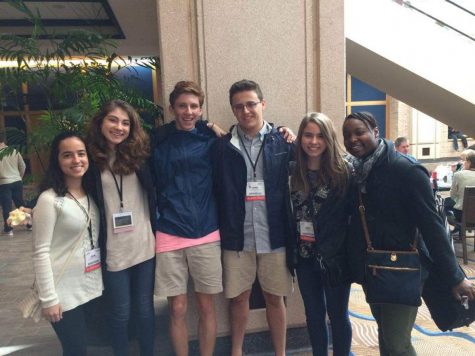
{"points": [[54, 176], [130, 153], [333, 169]]}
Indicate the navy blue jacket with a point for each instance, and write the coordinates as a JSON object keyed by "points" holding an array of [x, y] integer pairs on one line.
{"points": [[230, 185], [183, 179], [399, 203]]}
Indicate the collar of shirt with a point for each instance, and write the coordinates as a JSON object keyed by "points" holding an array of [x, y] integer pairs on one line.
{"points": [[266, 128]]}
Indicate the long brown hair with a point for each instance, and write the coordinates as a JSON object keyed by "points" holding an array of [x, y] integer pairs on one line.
{"points": [[130, 153], [333, 169]]}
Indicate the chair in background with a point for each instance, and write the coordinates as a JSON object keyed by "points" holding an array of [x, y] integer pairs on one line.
{"points": [[468, 219]]}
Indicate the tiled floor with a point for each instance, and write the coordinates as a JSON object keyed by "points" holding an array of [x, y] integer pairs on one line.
{"points": [[23, 337]]}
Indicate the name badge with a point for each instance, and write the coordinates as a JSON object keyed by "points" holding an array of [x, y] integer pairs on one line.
{"points": [[93, 259], [255, 191], [122, 222], [306, 231]]}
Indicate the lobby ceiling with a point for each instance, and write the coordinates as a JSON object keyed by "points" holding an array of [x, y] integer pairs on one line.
{"points": [[133, 24]]}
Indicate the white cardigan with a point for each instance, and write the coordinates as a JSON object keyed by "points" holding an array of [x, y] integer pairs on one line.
{"points": [[57, 223]]}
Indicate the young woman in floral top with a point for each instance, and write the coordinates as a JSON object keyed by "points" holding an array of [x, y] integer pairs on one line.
{"points": [[319, 184]]}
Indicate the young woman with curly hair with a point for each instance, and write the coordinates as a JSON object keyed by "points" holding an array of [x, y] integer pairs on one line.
{"points": [[125, 194]]}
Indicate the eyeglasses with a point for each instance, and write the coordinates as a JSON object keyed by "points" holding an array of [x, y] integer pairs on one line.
{"points": [[250, 105]]}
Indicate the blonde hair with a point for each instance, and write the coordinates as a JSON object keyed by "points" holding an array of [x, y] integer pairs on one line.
{"points": [[469, 156], [333, 169]]}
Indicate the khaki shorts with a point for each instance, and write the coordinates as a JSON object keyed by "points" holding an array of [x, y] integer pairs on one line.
{"points": [[240, 270], [202, 262]]}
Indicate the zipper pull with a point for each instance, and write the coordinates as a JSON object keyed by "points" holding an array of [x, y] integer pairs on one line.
{"points": [[320, 261]]}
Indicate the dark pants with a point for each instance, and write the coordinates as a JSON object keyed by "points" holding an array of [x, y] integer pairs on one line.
{"points": [[395, 324], [319, 300], [8, 193], [454, 137], [126, 290], [72, 331]]}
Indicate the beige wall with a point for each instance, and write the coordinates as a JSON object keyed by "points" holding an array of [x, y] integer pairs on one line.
{"points": [[293, 49]]}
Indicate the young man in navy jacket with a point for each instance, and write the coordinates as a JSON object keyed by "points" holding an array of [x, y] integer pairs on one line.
{"points": [[251, 182]]}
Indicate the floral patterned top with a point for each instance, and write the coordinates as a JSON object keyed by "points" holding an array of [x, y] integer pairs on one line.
{"points": [[306, 208]]}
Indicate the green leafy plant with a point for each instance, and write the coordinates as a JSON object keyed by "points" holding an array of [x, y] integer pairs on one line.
{"points": [[76, 72]]}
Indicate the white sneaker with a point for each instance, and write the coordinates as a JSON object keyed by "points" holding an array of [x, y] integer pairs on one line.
{"points": [[8, 233]]}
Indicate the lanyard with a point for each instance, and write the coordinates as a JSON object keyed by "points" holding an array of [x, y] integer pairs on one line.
{"points": [[253, 164], [119, 189], [89, 228]]}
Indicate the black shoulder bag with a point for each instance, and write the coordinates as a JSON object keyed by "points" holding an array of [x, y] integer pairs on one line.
{"points": [[391, 277]]}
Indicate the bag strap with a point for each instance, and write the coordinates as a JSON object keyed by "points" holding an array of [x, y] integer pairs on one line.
{"points": [[76, 244], [362, 210]]}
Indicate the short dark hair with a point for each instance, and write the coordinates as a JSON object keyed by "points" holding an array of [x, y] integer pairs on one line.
{"points": [[471, 147], [366, 117], [186, 87], [244, 85], [399, 141]]}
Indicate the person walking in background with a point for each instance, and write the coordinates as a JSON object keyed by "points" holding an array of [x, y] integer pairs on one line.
{"points": [[187, 237], [126, 196], [454, 135], [319, 185], [66, 258], [402, 145], [12, 169], [398, 207]]}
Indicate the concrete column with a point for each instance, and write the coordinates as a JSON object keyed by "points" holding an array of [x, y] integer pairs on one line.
{"points": [[294, 49]]}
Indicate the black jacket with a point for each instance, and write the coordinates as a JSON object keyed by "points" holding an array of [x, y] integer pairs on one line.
{"points": [[331, 228], [145, 179], [230, 187], [399, 202]]}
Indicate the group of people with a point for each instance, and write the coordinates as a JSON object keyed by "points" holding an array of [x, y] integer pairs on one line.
{"points": [[219, 207]]}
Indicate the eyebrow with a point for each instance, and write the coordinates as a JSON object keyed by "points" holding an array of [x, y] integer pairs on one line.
{"points": [[73, 151], [118, 118]]}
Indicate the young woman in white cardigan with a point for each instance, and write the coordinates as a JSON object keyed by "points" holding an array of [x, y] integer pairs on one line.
{"points": [[65, 254]]}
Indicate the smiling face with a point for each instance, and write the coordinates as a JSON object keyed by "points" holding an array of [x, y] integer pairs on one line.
{"points": [[313, 143], [248, 110], [115, 127], [359, 139], [187, 111], [72, 158]]}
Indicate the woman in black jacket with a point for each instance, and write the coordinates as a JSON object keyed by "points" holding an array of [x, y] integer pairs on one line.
{"points": [[398, 201], [319, 184]]}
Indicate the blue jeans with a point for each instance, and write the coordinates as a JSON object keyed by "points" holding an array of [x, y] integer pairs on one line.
{"points": [[72, 331], [8, 193], [319, 300], [132, 287]]}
